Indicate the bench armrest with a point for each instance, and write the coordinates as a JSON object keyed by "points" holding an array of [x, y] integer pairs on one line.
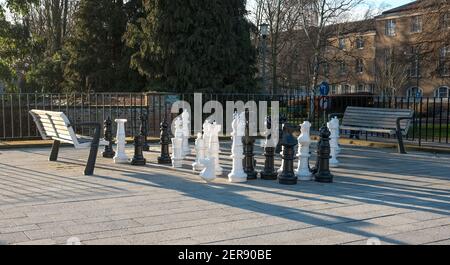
{"points": [[338, 115], [399, 129]]}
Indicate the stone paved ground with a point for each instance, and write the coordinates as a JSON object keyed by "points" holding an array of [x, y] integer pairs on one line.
{"points": [[400, 199]]}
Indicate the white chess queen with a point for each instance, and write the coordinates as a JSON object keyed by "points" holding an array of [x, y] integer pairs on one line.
{"points": [[304, 143]]}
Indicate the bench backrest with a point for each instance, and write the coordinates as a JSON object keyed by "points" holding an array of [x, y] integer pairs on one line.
{"points": [[54, 125], [377, 118]]}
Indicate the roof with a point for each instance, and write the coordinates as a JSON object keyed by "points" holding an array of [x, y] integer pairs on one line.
{"points": [[406, 7], [361, 26]]}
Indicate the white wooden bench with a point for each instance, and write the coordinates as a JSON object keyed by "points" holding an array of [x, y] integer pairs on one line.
{"points": [[57, 127], [378, 120]]}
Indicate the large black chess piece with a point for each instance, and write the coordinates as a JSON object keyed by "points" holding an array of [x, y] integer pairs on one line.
{"points": [[165, 158], [108, 135], [288, 142], [138, 158], [249, 156], [144, 131], [283, 120], [269, 172], [322, 170]]}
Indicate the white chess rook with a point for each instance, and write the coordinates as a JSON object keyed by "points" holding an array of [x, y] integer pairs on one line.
{"points": [[186, 133], [333, 126], [237, 174], [121, 157], [209, 173], [200, 153], [177, 145], [304, 143]]}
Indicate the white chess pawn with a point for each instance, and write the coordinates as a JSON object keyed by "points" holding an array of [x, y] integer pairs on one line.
{"points": [[214, 147], [304, 143], [186, 132], [200, 153], [177, 145], [209, 173], [121, 157], [333, 126], [238, 175]]}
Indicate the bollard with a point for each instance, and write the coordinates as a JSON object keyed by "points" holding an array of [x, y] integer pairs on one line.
{"points": [[200, 153], [269, 172], [249, 156], [144, 131], [304, 143], [237, 174], [138, 158], [323, 174], [288, 142], [121, 157], [108, 135], [165, 158]]}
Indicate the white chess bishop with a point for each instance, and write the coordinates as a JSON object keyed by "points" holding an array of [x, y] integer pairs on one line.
{"points": [[186, 118], [200, 148], [333, 126], [214, 147], [304, 143], [177, 144], [237, 174]]}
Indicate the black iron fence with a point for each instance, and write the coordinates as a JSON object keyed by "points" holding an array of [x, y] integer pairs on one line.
{"points": [[431, 122]]}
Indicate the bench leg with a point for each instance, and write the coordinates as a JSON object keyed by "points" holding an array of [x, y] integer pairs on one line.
{"points": [[89, 171], [401, 145], [55, 151]]}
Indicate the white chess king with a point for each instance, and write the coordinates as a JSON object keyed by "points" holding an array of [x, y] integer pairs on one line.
{"points": [[237, 174]]}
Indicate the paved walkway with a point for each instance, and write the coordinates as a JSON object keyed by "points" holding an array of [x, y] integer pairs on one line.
{"points": [[377, 193]]}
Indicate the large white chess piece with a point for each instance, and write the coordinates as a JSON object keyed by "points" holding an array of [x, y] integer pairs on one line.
{"points": [[280, 170], [209, 173], [177, 144], [186, 132], [237, 174], [214, 147], [121, 157], [304, 143], [200, 148], [333, 126], [207, 136]]}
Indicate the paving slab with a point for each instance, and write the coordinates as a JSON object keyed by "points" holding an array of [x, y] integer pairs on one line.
{"points": [[377, 194]]}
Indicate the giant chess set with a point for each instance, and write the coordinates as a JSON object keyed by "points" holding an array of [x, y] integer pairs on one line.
{"points": [[295, 153]]}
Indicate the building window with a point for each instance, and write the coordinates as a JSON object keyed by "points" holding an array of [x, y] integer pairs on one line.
{"points": [[341, 43], [414, 92], [326, 69], [445, 20], [445, 52], [444, 65], [360, 43], [334, 90], [441, 92], [390, 27], [360, 88], [416, 24], [359, 66], [342, 68], [346, 89], [372, 88]]}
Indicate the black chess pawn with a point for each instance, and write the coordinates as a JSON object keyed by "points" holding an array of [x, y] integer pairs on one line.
{"points": [[269, 172], [144, 131], [288, 142], [165, 158], [108, 135], [138, 158], [249, 162], [322, 170]]}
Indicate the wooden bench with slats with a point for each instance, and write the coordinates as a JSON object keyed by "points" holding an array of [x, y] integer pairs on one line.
{"points": [[378, 120], [57, 127]]}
